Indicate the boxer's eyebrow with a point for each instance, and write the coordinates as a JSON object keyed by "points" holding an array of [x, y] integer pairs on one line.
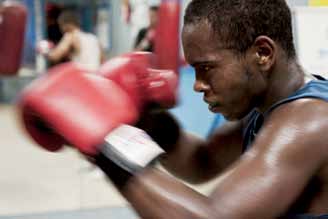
{"points": [[206, 61], [202, 63]]}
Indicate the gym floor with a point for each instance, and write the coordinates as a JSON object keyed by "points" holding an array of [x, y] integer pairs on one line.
{"points": [[35, 184]]}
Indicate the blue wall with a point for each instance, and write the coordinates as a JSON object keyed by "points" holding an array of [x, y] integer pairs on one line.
{"points": [[30, 35], [192, 112]]}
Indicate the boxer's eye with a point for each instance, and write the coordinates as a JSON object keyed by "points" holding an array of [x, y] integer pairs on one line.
{"points": [[206, 68], [203, 68]]}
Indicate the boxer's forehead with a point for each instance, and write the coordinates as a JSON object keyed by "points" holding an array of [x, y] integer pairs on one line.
{"points": [[200, 44]]}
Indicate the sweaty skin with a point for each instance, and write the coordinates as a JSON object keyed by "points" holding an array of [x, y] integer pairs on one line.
{"points": [[286, 167]]}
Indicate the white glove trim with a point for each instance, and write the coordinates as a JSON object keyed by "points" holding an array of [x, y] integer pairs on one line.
{"points": [[134, 145]]}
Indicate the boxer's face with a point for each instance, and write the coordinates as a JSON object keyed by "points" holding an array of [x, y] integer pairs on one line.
{"points": [[229, 82], [66, 27]]}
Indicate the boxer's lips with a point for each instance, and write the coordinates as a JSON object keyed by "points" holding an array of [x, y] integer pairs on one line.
{"points": [[213, 105]]}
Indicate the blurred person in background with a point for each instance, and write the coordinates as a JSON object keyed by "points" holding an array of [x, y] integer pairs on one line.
{"points": [[146, 36], [76, 45]]}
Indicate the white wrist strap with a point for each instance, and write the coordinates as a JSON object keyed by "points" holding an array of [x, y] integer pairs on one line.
{"points": [[133, 145]]}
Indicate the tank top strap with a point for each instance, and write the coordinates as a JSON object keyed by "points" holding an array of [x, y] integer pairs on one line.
{"points": [[317, 89]]}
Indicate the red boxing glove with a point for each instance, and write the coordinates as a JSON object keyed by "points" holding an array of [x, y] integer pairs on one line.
{"points": [[127, 71], [69, 105], [161, 86], [90, 112], [136, 73]]}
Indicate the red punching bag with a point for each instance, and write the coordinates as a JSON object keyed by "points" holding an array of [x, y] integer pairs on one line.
{"points": [[12, 31], [167, 35]]}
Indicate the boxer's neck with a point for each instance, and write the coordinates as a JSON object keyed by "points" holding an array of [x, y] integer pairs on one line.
{"points": [[285, 78]]}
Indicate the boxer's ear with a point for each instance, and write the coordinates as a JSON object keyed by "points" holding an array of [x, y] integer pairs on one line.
{"points": [[265, 50]]}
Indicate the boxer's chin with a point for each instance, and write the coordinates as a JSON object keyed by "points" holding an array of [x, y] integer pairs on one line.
{"points": [[230, 115]]}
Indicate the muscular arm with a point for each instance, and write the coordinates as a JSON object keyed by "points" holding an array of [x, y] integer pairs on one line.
{"points": [[262, 184], [63, 48], [202, 160]]}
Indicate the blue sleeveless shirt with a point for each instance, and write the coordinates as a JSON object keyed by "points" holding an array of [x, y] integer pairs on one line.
{"points": [[314, 89]]}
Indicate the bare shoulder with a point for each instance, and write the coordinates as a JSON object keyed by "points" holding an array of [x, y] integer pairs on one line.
{"points": [[69, 36], [72, 39], [298, 130], [308, 116]]}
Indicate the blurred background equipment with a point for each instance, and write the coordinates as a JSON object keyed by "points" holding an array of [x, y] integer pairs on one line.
{"points": [[167, 36], [12, 32]]}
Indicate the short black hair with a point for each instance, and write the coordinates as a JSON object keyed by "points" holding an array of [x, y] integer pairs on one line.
{"points": [[154, 8], [69, 17], [237, 23]]}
